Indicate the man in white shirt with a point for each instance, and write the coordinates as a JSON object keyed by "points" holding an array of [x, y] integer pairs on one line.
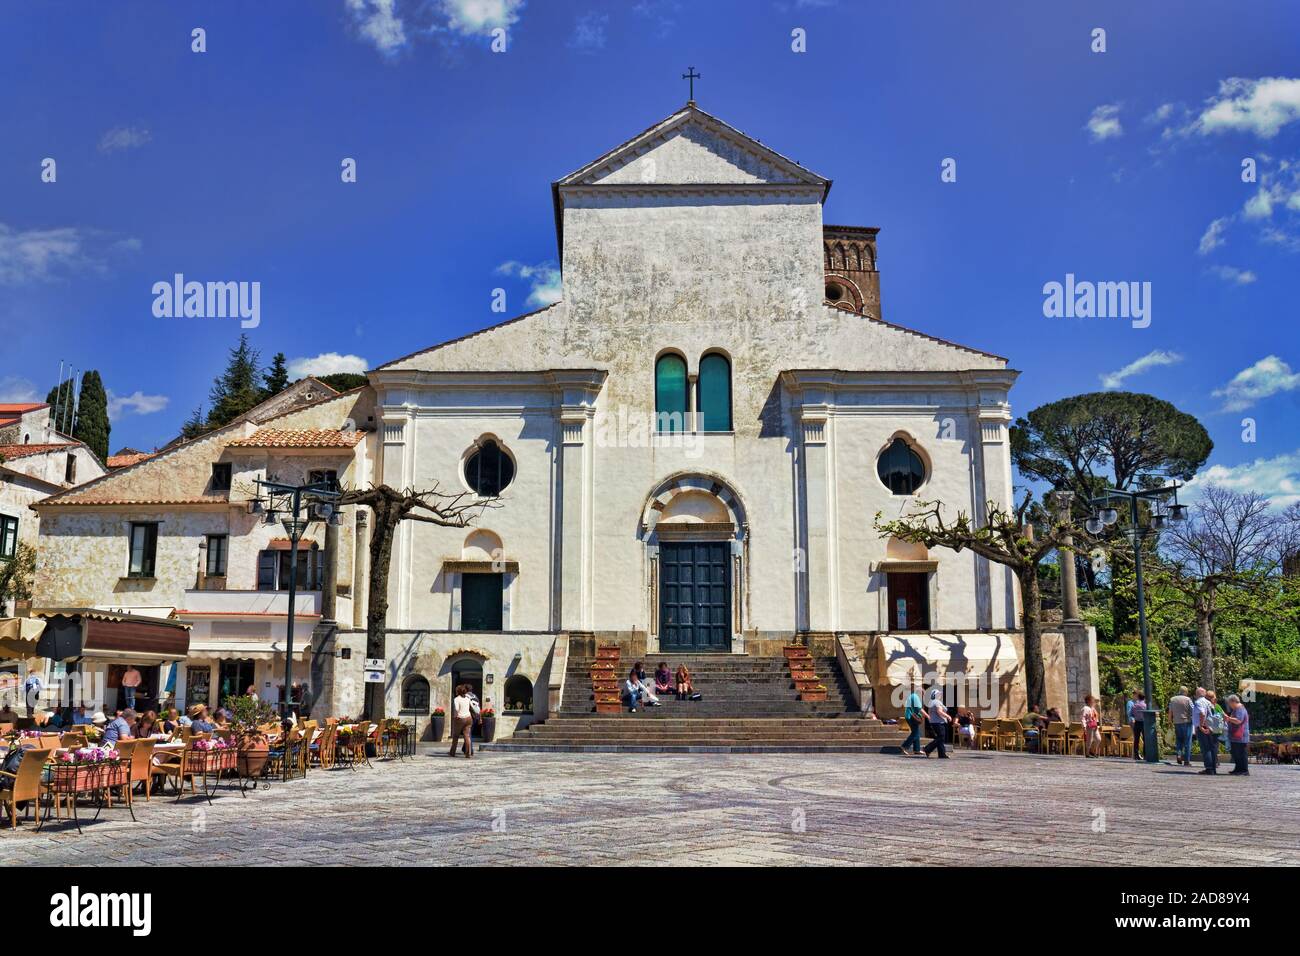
{"points": [[938, 719], [1201, 710]]}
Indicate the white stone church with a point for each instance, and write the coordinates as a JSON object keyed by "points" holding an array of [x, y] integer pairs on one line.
{"points": [[686, 454]]}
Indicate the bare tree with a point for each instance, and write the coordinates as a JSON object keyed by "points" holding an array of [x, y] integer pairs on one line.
{"points": [[1007, 538], [1232, 544], [390, 508]]}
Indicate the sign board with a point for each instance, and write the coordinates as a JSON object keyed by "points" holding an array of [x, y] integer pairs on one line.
{"points": [[374, 677], [374, 663]]}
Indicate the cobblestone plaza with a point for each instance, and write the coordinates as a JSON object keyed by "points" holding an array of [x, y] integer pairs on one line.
{"points": [[589, 809]]}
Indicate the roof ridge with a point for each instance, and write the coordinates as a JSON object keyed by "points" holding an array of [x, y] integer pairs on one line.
{"points": [[917, 332]]}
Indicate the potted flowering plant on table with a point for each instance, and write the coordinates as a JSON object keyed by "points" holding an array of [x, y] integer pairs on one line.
{"points": [[247, 716], [489, 718], [439, 722]]}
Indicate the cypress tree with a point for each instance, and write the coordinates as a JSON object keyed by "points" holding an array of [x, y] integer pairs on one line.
{"points": [[92, 426], [60, 400], [237, 389]]}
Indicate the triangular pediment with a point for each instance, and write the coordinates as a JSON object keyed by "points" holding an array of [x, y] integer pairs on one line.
{"points": [[692, 148]]}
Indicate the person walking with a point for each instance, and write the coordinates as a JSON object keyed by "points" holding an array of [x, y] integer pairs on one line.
{"points": [[1090, 717], [1180, 715], [1137, 716], [32, 688], [939, 718], [1211, 730], [464, 709], [1238, 720], [1200, 708], [913, 714]]}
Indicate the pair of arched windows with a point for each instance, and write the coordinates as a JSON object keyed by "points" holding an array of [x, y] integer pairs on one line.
{"points": [[712, 405]]}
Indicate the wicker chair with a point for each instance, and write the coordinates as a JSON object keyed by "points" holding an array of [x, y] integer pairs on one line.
{"points": [[1125, 742], [176, 766], [987, 733], [1075, 735], [1055, 735], [25, 786]]}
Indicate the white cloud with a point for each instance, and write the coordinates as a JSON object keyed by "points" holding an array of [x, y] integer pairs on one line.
{"points": [[589, 33], [1261, 106], [1277, 479], [327, 363], [1212, 237], [137, 403], [1104, 122], [378, 23], [1160, 114], [123, 137], [1234, 275], [1138, 366], [40, 253], [480, 17], [15, 388], [1269, 376], [1259, 206], [547, 287]]}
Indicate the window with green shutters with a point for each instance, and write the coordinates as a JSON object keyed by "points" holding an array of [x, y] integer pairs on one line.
{"points": [[715, 393], [8, 536], [670, 394]]}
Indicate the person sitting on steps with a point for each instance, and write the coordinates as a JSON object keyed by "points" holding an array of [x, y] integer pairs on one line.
{"points": [[663, 678], [638, 689], [685, 688]]}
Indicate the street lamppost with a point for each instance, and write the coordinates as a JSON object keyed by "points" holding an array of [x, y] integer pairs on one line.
{"points": [[275, 498], [1103, 516]]}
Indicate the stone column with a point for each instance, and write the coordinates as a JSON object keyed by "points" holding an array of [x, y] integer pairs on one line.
{"points": [[1062, 500], [573, 523], [817, 566], [329, 578]]}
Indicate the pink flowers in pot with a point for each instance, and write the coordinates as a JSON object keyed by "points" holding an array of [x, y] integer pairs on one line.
{"points": [[215, 743], [90, 754]]}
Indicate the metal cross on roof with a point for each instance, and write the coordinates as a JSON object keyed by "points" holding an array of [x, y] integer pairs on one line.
{"points": [[692, 76]]}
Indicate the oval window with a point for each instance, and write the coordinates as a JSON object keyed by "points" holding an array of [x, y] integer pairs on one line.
{"points": [[489, 470], [901, 468]]}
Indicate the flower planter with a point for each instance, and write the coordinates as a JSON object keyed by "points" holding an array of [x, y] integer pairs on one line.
{"points": [[489, 726], [609, 707], [253, 755], [795, 650], [438, 725], [802, 675], [809, 684], [812, 695], [607, 653]]}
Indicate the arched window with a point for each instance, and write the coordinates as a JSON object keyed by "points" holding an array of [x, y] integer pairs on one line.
{"points": [[670, 393], [489, 470], [901, 468], [519, 693], [715, 393], [415, 695]]}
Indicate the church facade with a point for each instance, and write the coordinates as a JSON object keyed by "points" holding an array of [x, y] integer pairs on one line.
{"points": [[685, 454]]}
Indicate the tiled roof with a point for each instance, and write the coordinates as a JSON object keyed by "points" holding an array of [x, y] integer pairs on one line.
{"points": [[19, 408], [10, 452], [131, 458], [298, 438]]}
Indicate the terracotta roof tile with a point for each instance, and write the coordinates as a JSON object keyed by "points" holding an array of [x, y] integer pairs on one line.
{"points": [[9, 452], [298, 438], [207, 500], [122, 461]]}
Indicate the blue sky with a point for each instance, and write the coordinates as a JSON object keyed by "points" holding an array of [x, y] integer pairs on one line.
{"points": [[1123, 165]]}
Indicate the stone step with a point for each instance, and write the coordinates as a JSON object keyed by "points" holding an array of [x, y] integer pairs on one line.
{"points": [[775, 747]]}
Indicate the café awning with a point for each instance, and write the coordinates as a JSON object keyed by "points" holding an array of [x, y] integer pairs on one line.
{"points": [[89, 634], [19, 636], [1282, 688]]}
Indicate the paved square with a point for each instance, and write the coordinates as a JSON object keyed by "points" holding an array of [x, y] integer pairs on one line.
{"points": [[877, 809]]}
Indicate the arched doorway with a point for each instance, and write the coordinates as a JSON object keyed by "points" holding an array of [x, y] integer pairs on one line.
{"points": [[469, 670], [695, 527]]}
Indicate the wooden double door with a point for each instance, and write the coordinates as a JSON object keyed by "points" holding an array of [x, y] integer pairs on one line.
{"points": [[695, 596]]}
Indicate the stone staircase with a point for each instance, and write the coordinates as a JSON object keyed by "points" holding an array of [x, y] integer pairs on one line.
{"points": [[748, 705]]}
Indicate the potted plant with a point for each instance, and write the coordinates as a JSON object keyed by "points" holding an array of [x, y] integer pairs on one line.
{"points": [[439, 723], [489, 721], [247, 715]]}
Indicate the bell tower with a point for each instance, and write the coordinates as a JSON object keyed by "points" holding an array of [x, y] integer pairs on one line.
{"points": [[852, 282]]}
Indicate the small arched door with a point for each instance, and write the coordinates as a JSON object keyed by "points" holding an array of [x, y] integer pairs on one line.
{"points": [[469, 670]]}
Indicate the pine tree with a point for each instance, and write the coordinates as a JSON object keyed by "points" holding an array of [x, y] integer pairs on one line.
{"points": [[194, 425], [276, 379], [235, 390], [343, 381], [92, 425]]}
